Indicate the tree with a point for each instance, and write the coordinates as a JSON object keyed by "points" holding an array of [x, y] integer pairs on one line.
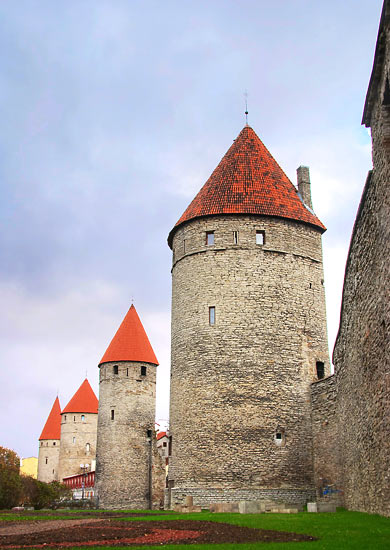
{"points": [[10, 483]]}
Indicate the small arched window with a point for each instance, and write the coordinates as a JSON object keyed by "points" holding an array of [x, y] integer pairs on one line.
{"points": [[82, 418], [320, 368], [87, 447], [115, 369]]}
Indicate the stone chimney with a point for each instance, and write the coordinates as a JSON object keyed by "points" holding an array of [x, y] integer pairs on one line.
{"points": [[303, 175]]}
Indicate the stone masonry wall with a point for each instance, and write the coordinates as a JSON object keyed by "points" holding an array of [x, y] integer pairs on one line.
{"points": [[48, 459], [326, 450], [237, 384], [124, 449], [76, 433], [362, 350]]}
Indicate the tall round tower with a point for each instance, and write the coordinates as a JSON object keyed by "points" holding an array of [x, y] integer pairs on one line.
{"points": [[248, 333], [127, 404], [78, 432], [49, 445]]}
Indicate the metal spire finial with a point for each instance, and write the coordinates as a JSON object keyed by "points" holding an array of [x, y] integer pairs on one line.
{"points": [[246, 107]]}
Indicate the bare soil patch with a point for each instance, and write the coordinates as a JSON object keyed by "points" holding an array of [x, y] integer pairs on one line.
{"points": [[103, 532]]}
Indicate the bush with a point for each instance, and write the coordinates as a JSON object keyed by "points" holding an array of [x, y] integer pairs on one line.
{"points": [[42, 495]]}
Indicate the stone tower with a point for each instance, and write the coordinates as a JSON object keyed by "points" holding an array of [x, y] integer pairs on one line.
{"points": [[78, 432], [49, 445], [127, 403], [249, 333]]}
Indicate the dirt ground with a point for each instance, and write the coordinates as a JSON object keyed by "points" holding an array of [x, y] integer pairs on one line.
{"points": [[106, 532]]}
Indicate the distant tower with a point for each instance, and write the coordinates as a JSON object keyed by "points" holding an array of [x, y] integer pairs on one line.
{"points": [[127, 398], [49, 445], [248, 333], [78, 431]]}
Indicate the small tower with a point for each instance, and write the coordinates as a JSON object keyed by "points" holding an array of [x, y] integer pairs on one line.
{"points": [[248, 333], [127, 401], [49, 445], [78, 431]]}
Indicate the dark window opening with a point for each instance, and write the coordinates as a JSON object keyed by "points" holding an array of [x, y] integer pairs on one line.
{"points": [[149, 433], [53, 471], [260, 237], [309, 285], [127, 372], [164, 444], [112, 414], [209, 238], [143, 371], [320, 370], [46, 461], [235, 237], [54, 442], [184, 246], [212, 315], [170, 446], [115, 369], [74, 419], [278, 435]]}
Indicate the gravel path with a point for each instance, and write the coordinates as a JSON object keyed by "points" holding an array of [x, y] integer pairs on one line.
{"points": [[39, 526]]}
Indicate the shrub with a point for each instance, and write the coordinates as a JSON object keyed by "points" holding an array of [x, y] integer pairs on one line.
{"points": [[10, 483]]}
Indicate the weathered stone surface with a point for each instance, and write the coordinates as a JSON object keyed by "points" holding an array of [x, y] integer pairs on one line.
{"points": [[78, 442], [249, 507], [246, 378], [312, 507], [126, 444], [48, 460], [326, 507]]}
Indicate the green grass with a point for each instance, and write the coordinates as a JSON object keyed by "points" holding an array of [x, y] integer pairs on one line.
{"points": [[344, 530]]}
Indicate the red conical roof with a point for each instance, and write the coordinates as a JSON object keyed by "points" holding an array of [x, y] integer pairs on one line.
{"points": [[248, 180], [52, 428], [83, 401], [130, 342]]}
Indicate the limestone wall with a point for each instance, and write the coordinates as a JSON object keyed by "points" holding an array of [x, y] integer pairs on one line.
{"points": [[362, 350], [237, 384], [78, 442], [125, 450], [48, 460], [328, 471]]}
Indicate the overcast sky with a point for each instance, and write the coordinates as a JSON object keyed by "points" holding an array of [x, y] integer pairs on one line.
{"points": [[114, 114]]}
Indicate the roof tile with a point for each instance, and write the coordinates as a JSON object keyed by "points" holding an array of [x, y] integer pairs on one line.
{"points": [[83, 401], [52, 428], [248, 180], [130, 342]]}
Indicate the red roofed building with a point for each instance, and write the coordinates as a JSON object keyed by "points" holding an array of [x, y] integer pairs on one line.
{"points": [[248, 333], [126, 466], [49, 445], [78, 432]]}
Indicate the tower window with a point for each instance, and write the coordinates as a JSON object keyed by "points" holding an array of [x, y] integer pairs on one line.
{"points": [[46, 460], [87, 447], [143, 370], [115, 369], [320, 367], [235, 237], [209, 238], [74, 440], [184, 246], [127, 372], [212, 315], [280, 438], [54, 442], [82, 418], [74, 419], [260, 237], [112, 414], [41, 443], [149, 433], [65, 418]]}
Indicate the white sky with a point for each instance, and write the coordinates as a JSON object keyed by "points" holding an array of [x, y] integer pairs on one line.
{"points": [[114, 114]]}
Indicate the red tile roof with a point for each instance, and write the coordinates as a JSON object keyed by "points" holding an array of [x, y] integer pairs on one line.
{"points": [[248, 180], [161, 434], [83, 401], [130, 342], [52, 428]]}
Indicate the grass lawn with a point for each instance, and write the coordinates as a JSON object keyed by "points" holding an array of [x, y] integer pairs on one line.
{"points": [[344, 530]]}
